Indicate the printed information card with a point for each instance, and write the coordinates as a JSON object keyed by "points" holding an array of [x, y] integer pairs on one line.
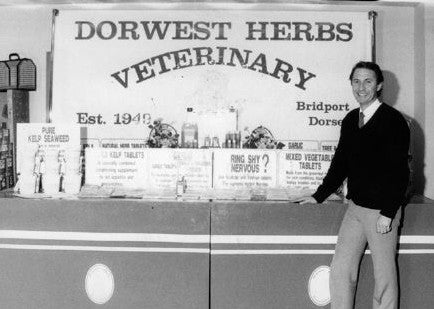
{"points": [[166, 166], [293, 171], [149, 168], [302, 170], [116, 167], [48, 158], [244, 168]]}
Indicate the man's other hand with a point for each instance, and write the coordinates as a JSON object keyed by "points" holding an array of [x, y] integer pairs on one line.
{"points": [[384, 224]]}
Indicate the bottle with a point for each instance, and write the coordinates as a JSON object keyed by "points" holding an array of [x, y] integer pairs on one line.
{"points": [[238, 139], [231, 140], [181, 186], [215, 142], [226, 143], [207, 142], [189, 131]]}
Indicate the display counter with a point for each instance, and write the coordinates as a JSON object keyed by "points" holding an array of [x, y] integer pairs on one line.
{"points": [[157, 254], [115, 253], [277, 256]]}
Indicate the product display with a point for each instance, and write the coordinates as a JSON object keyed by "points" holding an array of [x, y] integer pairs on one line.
{"points": [[6, 159], [52, 164], [233, 140], [49, 160], [189, 132], [262, 138], [162, 135]]}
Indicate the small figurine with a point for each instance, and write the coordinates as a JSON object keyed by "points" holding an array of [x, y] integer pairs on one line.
{"points": [[39, 170], [62, 169], [181, 186], [81, 169], [17, 188]]}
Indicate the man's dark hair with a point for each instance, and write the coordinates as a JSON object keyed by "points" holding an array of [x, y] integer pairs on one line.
{"points": [[370, 66]]}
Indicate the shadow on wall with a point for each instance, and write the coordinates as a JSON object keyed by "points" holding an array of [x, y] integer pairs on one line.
{"points": [[390, 96], [391, 88]]}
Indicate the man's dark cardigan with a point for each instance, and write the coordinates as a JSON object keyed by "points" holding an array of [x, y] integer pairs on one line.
{"points": [[375, 160]]}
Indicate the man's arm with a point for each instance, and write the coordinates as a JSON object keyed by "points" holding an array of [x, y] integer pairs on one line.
{"points": [[396, 170], [338, 169], [335, 175]]}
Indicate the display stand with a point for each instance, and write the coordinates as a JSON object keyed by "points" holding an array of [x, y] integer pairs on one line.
{"points": [[192, 255], [14, 107]]}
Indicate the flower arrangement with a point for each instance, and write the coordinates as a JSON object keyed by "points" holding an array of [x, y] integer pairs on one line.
{"points": [[261, 138], [162, 135]]}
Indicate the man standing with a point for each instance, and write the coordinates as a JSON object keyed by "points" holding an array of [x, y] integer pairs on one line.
{"points": [[372, 154]]}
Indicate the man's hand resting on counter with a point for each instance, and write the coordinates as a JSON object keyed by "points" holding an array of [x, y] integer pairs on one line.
{"points": [[304, 200]]}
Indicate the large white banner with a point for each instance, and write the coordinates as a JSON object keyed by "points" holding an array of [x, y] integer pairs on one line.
{"points": [[118, 71]]}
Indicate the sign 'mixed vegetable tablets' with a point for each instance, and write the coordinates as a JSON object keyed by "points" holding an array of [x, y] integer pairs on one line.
{"points": [[302, 169], [282, 69]]}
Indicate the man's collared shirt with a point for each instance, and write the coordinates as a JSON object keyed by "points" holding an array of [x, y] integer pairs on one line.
{"points": [[370, 110]]}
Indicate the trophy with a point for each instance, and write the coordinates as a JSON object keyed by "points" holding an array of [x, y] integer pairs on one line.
{"points": [[39, 170], [62, 169]]}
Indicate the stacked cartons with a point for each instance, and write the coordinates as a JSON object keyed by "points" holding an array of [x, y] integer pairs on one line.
{"points": [[5, 159], [14, 108]]}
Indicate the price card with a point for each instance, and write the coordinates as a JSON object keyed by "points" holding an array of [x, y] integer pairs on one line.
{"points": [[41, 147], [244, 168], [116, 167], [166, 166], [302, 170]]}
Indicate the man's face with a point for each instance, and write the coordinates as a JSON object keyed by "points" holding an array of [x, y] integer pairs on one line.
{"points": [[365, 86]]}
